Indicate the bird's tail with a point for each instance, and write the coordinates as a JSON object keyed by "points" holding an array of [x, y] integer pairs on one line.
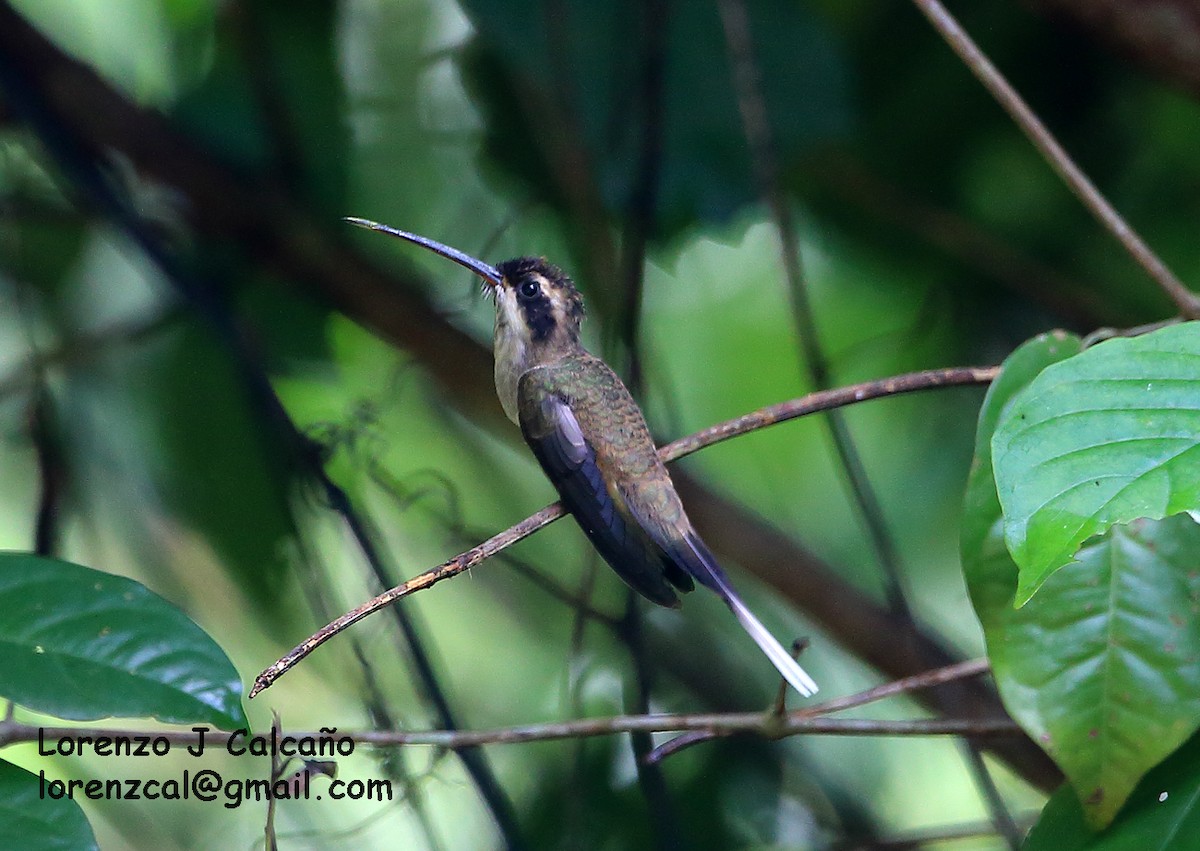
{"points": [[703, 565]]}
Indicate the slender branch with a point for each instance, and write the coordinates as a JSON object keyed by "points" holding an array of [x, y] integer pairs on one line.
{"points": [[375, 699], [772, 414], [52, 472], [641, 207], [764, 161], [779, 705], [453, 521], [1187, 302], [725, 723], [1002, 820], [824, 400], [460, 563], [771, 724], [731, 722], [694, 737], [927, 679], [270, 840], [578, 601]]}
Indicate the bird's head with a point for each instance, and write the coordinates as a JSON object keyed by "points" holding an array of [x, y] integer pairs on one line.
{"points": [[537, 304]]}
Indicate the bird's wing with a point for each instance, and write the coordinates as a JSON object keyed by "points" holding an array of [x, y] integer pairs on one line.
{"points": [[635, 521], [554, 434]]}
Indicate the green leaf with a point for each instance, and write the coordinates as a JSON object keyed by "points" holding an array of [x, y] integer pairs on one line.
{"points": [[31, 820], [81, 644], [1106, 437], [1100, 667], [986, 562], [1163, 813]]}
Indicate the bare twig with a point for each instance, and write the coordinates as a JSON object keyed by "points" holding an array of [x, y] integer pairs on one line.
{"points": [[270, 840], [1184, 299], [1002, 819], [696, 726], [722, 723], [460, 563], [779, 706], [732, 722], [928, 679], [824, 400], [374, 698], [956, 376], [453, 521], [695, 737], [764, 161]]}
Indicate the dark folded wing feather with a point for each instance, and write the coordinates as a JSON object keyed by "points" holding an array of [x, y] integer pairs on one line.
{"points": [[553, 433], [643, 532]]}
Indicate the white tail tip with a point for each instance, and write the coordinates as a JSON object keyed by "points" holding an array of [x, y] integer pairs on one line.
{"points": [[780, 658]]}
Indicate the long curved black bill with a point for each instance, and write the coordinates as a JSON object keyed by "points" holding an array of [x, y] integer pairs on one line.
{"points": [[483, 270]]}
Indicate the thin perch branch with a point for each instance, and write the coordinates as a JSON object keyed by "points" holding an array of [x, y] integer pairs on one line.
{"points": [[1187, 302], [764, 160], [733, 722], [723, 723], [765, 724], [770, 415], [928, 679]]}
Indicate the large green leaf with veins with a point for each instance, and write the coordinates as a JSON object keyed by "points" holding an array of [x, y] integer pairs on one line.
{"points": [[1100, 667], [1108, 436], [1163, 813], [81, 644]]}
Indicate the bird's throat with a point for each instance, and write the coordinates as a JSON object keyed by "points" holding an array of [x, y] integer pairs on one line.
{"points": [[518, 349], [512, 360]]}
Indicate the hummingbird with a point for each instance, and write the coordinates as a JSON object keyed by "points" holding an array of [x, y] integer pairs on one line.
{"points": [[591, 440]]}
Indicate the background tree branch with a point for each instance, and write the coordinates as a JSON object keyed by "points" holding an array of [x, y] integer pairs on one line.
{"points": [[1162, 36]]}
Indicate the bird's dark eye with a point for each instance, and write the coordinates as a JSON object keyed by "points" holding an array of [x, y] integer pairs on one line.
{"points": [[529, 289]]}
